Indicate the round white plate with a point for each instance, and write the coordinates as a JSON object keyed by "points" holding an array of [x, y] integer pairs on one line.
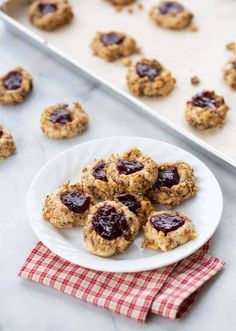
{"points": [[205, 209]]}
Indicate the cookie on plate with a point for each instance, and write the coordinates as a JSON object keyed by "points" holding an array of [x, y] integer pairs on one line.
{"points": [[138, 204], [206, 110], [94, 179], [15, 86], [50, 14], [166, 230], [111, 227], [68, 206], [229, 73], [148, 77], [131, 172], [62, 122], [113, 45], [171, 15], [7, 143], [175, 184]]}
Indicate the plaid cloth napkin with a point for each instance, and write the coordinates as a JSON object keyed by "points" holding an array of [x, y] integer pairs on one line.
{"points": [[169, 291]]}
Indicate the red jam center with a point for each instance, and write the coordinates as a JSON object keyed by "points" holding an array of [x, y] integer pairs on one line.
{"points": [[111, 39], [126, 167], [169, 7], [110, 224], [167, 223], [99, 172], [76, 201], [146, 70], [1, 134], [60, 116], [13, 80], [168, 178], [47, 8], [204, 99], [130, 201]]}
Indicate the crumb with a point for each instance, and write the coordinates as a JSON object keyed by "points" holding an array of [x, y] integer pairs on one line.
{"points": [[119, 8], [231, 46], [195, 80], [130, 10], [194, 28], [140, 6], [127, 62]]}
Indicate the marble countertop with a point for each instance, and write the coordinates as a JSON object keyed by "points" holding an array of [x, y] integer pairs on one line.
{"points": [[29, 306]]}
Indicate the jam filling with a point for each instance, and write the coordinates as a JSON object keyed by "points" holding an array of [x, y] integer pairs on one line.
{"points": [[126, 167], [167, 223], [146, 70], [76, 201], [13, 80], [204, 99], [110, 224], [99, 172], [130, 201], [1, 134], [47, 8], [60, 116], [112, 38], [169, 7], [168, 178]]}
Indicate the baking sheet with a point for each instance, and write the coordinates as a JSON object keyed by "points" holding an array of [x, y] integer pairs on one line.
{"points": [[184, 53]]}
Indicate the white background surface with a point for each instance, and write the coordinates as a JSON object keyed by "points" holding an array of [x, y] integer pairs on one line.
{"points": [[26, 306]]}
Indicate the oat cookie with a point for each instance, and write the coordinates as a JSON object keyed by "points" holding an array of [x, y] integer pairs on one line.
{"points": [[94, 179], [150, 78], [7, 143], [229, 73], [166, 230], [175, 184], [171, 15], [138, 204], [111, 227], [113, 45], [206, 110], [68, 206], [62, 122], [50, 14], [131, 172], [15, 86], [121, 2]]}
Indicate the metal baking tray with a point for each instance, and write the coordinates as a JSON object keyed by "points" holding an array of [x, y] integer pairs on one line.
{"points": [[185, 53]]}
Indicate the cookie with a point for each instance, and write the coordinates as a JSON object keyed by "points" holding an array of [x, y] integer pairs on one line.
{"points": [[166, 230], [15, 86], [113, 45], [94, 179], [111, 227], [50, 14], [206, 110], [138, 204], [7, 143], [148, 77], [62, 122], [68, 206], [131, 172], [171, 15], [229, 73], [121, 2], [175, 184]]}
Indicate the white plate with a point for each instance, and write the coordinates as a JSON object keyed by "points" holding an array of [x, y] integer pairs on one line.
{"points": [[205, 209]]}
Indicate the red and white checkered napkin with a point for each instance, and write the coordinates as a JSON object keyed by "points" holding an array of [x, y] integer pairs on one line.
{"points": [[168, 291]]}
